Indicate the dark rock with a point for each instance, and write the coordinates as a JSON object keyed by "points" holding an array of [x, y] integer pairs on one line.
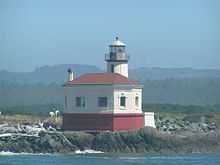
{"points": [[147, 140], [81, 140]]}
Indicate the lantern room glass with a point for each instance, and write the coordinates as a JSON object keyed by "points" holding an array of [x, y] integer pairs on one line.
{"points": [[117, 49]]}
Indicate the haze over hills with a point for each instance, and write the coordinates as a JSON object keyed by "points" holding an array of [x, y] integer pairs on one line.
{"points": [[58, 73], [161, 85], [46, 74], [156, 73]]}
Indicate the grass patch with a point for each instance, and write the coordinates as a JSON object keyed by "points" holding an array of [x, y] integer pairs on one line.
{"points": [[23, 119], [195, 112], [34, 110]]}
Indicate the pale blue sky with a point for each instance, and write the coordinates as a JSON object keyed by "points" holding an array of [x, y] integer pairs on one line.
{"points": [[158, 33]]}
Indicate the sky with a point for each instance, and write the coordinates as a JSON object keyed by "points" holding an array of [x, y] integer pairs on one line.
{"points": [[158, 33]]}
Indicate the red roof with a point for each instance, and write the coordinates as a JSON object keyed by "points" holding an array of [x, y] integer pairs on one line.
{"points": [[102, 78]]}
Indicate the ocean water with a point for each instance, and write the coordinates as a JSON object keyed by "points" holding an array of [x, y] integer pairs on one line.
{"points": [[105, 159]]}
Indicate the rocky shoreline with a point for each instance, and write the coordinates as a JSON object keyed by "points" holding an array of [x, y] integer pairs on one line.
{"points": [[183, 134], [146, 140], [185, 125]]}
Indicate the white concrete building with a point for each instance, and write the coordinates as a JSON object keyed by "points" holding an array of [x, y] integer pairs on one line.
{"points": [[106, 97]]}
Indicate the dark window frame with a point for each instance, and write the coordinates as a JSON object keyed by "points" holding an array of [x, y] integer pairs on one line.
{"points": [[136, 101], [102, 101], [112, 68], [80, 101], [123, 101]]}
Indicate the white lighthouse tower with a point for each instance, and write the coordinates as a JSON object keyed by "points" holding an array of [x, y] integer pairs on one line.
{"points": [[117, 58]]}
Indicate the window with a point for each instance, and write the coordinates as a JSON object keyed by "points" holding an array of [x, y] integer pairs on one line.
{"points": [[123, 101], [137, 101], [112, 68], [102, 101], [120, 49], [113, 49], [80, 102]]}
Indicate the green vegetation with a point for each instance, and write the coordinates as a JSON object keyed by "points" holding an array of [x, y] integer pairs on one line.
{"points": [[182, 91], [177, 108], [34, 110], [22, 119], [193, 113], [37, 113], [31, 114]]}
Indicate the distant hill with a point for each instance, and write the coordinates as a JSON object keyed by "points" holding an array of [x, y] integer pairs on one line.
{"points": [[143, 74], [58, 74], [161, 85], [194, 91], [46, 74]]}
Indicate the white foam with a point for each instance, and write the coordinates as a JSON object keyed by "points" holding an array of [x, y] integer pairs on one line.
{"points": [[5, 135], [89, 151], [18, 134], [131, 158], [8, 153]]}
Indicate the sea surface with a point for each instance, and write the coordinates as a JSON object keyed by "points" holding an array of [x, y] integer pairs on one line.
{"points": [[105, 159]]}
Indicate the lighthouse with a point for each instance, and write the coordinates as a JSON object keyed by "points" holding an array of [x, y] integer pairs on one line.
{"points": [[117, 58], [105, 101]]}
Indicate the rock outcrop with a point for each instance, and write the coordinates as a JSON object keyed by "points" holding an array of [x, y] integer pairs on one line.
{"points": [[146, 140], [184, 125]]}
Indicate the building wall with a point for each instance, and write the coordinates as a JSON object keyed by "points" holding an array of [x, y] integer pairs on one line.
{"points": [[91, 94], [119, 67], [130, 95], [87, 121], [102, 121], [149, 119], [113, 94], [128, 121], [89, 118]]}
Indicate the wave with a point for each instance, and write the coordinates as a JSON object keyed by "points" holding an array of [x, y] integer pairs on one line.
{"points": [[8, 153], [131, 158], [89, 151]]}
